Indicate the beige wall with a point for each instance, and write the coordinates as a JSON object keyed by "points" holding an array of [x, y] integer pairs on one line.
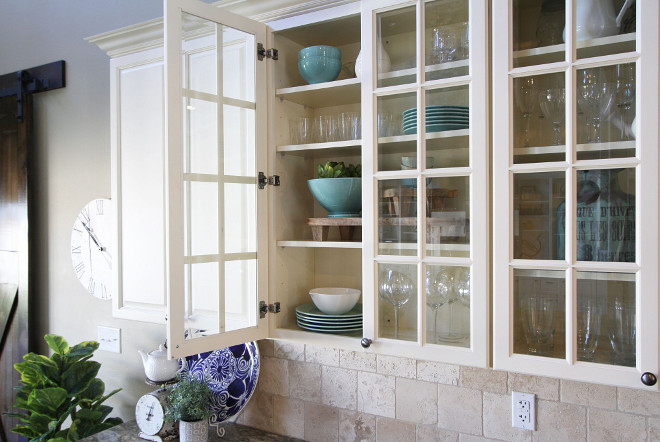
{"points": [[324, 394]]}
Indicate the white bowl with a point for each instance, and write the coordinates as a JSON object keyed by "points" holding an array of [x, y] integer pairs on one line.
{"points": [[334, 300]]}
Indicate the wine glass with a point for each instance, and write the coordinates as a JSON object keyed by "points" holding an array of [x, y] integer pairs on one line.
{"points": [[526, 93], [463, 285], [588, 327], [586, 77], [538, 323], [596, 100], [436, 296], [395, 289], [552, 103], [625, 95]]}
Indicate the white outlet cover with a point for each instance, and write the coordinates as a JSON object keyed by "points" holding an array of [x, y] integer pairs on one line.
{"points": [[523, 410], [109, 339]]}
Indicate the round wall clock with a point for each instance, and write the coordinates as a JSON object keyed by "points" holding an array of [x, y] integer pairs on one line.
{"points": [[90, 253]]}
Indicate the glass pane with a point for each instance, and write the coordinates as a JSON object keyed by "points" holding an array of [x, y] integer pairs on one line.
{"points": [[202, 223], [538, 27], [238, 73], [203, 284], [447, 122], [539, 133], [397, 301], [240, 218], [606, 215], [606, 112], [448, 305], [397, 217], [241, 290], [448, 216], [539, 313], [596, 29], [203, 139], [539, 215], [392, 146], [447, 39], [396, 47], [239, 141], [606, 328]]}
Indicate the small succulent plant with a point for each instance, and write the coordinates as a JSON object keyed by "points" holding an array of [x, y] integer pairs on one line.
{"points": [[333, 169]]}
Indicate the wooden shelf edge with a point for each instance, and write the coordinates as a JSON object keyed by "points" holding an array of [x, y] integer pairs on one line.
{"points": [[296, 148], [321, 244], [316, 87]]}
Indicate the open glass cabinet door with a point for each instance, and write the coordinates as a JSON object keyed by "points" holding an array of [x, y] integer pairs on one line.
{"points": [[216, 247]]}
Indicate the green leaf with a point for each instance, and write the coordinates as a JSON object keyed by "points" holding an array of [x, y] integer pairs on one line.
{"points": [[113, 421], [31, 374], [90, 415], [83, 349], [319, 171], [79, 376], [57, 344], [24, 430], [46, 401], [338, 173], [105, 411], [94, 391], [58, 439], [22, 416], [40, 359], [40, 422]]}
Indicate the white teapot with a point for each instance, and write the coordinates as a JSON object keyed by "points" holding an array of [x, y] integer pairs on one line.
{"points": [[596, 18], [157, 366]]}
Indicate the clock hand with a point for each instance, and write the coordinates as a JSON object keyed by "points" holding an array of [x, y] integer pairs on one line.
{"points": [[91, 234]]}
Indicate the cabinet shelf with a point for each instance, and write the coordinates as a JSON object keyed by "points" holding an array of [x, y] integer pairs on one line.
{"points": [[348, 147], [429, 136], [331, 93], [411, 72], [321, 244], [586, 147], [615, 43]]}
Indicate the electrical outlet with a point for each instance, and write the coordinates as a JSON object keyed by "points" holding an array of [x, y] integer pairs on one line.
{"points": [[523, 410], [109, 339]]}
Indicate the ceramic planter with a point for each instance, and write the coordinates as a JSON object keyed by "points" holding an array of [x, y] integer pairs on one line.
{"points": [[197, 431]]}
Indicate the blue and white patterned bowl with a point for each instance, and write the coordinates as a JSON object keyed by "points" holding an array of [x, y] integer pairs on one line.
{"points": [[232, 374]]}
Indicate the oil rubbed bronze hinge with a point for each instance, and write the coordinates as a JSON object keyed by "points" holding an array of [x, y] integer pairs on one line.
{"points": [[266, 53], [266, 308]]}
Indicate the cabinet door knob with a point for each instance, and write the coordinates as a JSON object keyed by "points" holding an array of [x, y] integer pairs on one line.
{"points": [[649, 379], [365, 342]]}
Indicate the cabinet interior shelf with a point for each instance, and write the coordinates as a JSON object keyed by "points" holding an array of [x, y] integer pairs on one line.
{"points": [[621, 39], [586, 147], [331, 93], [321, 244], [411, 72], [348, 147], [429, 136]]}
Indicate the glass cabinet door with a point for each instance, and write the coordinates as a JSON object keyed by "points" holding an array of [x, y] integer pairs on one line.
{"points": [[429, 217], [575, 253], [216, 249]]}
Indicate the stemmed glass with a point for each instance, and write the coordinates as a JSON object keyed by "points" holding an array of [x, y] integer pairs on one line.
{"points": [[456, 287], [395, 289], [526, 93], [596, 100], [552, 103], [436, 296], [625, 95]]}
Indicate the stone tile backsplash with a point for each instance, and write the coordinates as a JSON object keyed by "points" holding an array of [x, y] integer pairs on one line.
{"points": [[323, 394]]}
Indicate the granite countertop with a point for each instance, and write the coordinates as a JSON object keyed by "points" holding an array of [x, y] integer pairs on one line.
{"points": [[226, 431]]}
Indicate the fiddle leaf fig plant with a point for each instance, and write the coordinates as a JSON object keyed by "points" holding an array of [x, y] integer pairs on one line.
{"points": [[333, 169], [62, 386]]}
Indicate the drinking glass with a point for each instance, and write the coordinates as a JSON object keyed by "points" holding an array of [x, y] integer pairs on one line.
{"points": [[385, 123], [596, 100], [625, 95], [436, 296], [537, 314], [443, 45], [349, 126], [395, 289], [623, 332], [325, 128], [452, 279], [552, 103], [588, 327], [301, 130], [526, 93]]}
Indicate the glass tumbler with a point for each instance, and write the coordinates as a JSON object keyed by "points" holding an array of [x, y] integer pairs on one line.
{"points": [[537, 315], [349, 126], [623, 332], [325, 128], [300, 130]]}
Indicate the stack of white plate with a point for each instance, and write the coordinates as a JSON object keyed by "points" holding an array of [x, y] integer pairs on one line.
{"points": [[438, 118], [311, 318]]}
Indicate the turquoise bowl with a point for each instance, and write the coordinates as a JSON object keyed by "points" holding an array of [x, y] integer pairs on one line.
{"points": [[321, 50], [340, 196], [319, 69]]}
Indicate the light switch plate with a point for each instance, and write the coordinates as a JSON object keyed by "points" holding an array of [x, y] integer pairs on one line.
{"points": [[523, 410], [109, 339]]}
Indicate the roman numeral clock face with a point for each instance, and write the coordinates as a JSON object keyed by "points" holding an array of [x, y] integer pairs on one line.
{"points": [[91, 253]]}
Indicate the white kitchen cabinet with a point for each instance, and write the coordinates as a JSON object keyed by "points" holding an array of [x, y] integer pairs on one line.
{"points": [[575, 207]]}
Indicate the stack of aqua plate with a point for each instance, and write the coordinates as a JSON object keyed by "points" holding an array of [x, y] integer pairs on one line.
{"points": [[311, 318], [438, 118]]}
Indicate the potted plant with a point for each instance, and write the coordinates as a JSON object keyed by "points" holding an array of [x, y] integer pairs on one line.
{"points": [[190, 404], [61, 387], [338, 188]]}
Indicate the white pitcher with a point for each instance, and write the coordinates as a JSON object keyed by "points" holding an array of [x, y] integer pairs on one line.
{"points": [[596, 18]]}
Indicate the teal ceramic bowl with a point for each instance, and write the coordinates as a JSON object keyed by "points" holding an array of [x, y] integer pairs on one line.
{"points": [[341, 197], [319, 69], [320, 51]]}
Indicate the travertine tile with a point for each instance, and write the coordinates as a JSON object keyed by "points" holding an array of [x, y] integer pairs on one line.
{"points": [[484, 379], [591, 395], [356, 427], [321, 423], [606, 426], [432, 433], [639, 401], [339, 387], [294, 351], [258, 412], [438, 372], [305, 381], [274, 376], [497, 419], [391, 430], [357, 360], [396, 366], [322, 355], [654, 429], [542, 387], [376, 394], [472, 438], [558, 421], [460, 409], [266, 347], [288, 417], [416, 401]]}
